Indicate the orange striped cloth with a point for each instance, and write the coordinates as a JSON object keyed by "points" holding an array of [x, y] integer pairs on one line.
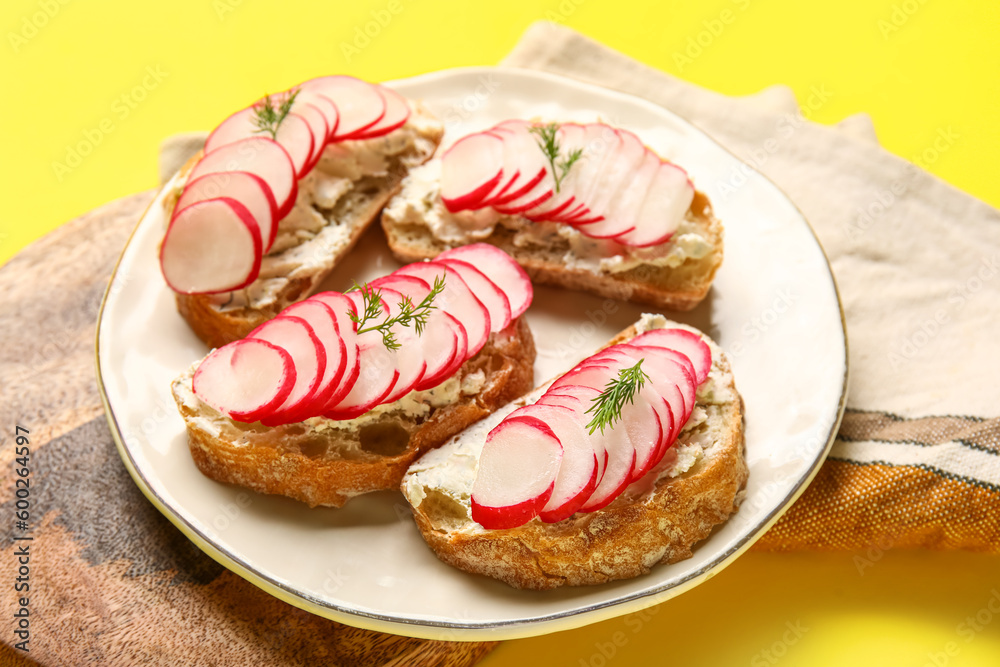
{"points": [[917, 264]]}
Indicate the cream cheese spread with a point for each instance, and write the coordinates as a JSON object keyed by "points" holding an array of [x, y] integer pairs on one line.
{"points": [[419, 203], [451, 469]]}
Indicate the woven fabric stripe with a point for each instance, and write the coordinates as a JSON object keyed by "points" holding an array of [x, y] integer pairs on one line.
{"points": [[857, 506]]}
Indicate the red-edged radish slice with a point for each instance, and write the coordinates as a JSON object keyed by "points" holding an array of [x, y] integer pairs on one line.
{"points": [[452, 335], [493, 298], [295, 336], [578, 468], [318, 124], [627, 202], [501, 269], [245, 379], [523, 157], [438, 344], [262, 157], [361, 105], [616, 171], [456, 299], [326, 106], [517, 472], [323, 321], [647, 406], [246, 188], [211, 246], [294, 134], [579, 399], [409, 357], [470, 169], [397, 112], [541, 192], [667, 201], [687, 342], [378, 373], [343, 308]]}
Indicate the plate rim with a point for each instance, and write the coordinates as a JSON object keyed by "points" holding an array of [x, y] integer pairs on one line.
{"points": [[500, 629]]}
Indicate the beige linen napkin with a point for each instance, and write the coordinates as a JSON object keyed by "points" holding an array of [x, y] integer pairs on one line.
{"points": [[917, 458]]}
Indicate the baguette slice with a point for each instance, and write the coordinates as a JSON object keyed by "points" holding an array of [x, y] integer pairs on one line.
{"points": [[698, 485], [675, 276], [326, 462], [337, 201]]}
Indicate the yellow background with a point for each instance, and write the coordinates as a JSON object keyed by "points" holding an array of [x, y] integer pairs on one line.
{"points": [[917, 66]]}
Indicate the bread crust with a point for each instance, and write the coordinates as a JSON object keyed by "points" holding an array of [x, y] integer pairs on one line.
{"points": [[292, 461], [624, 540], [646, 284]]}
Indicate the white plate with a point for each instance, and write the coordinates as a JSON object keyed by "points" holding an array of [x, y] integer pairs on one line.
{"points": [[773, 308]]}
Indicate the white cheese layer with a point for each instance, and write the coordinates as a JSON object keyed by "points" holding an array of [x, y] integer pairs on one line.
{"points": [[419, 203], [451, 469]]}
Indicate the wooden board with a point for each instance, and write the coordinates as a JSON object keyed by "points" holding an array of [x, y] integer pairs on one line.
{"points": [[112, 581]]}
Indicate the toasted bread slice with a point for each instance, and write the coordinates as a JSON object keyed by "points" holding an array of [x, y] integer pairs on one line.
{"points": [[337, 201], [698, 485], [326, 462], [675, 275]]}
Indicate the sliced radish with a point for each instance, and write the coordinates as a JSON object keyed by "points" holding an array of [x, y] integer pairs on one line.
{"points": [[342, 308], [245, 379], [470, 169], [687, 342], [246, 188], [323, 321], [492, 297], [295, 336], [629, 156], [668, 199], [447, 329], [294, 134], [324, 105], [456, 299], [397, 112], [521, 156], [409, 357], [211, 246], [261, 156], [501, 269], [378, 373], [517, 473], [359, 103], [578, 468], [318, 124], [438, 344]]}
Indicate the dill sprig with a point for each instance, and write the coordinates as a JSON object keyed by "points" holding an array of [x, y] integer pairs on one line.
{"points": [[268, 118], [409, 314], [550, 147], [607, 407]]}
